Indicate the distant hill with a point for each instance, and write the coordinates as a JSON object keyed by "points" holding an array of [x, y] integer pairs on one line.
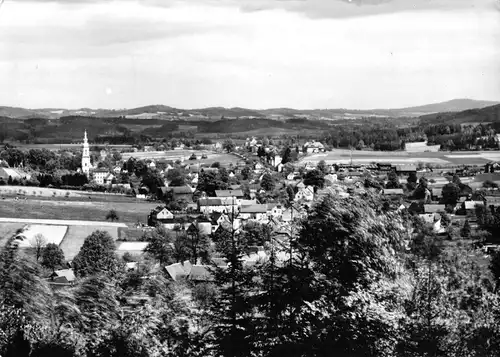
{"points": [[217, 113], [482, 115], [455, 105]]}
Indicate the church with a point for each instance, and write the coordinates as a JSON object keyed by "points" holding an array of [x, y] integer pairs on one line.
{"points": [[86, 165]]}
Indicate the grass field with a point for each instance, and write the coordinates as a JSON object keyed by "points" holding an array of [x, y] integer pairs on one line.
{"points": [[37, 191], [129, 212], [174, 155], [435, 158], [7, 230], [75, 236]]}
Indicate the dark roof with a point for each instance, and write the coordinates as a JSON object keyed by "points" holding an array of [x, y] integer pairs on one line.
{"points": [[433, 208], [66, 273], [492, 200], [254, 209], [406, 168], [210, 202], [487, 177], [229, 193], [393, 191], [181, 190], [179, 270], [201, 273]]}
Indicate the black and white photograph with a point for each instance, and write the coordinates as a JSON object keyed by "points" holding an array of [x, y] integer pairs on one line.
{"points": [[249, 178]]}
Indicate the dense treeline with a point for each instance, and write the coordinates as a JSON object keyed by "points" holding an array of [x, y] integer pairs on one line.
{"points": [[353, 280]]}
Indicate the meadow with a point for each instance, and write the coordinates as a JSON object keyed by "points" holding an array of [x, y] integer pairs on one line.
{"points": [[129, 212], [442, 158]]}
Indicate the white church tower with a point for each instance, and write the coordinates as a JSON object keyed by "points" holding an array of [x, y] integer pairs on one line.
{"points": [[85, 156]]}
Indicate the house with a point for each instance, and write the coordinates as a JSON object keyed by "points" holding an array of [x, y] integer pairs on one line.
{"points": [[384, 167], [292, 176], [280, 167], [292, 213], [429, 208], [100, 175], [258, 167], [207, 170], [436, 193], [200, 226], [406, 169], [229, 193], [393, 192], [313, 147], [64, 276], [435, 220], [255, 212], [108, 180], [330, 179], [309, 166], [180, 193], [305, 194], [117, 170], [135, 248], [470, 206], [201, 273], [274, 209], [492, 201], [208, 205], [164, 213], [179, 271]]}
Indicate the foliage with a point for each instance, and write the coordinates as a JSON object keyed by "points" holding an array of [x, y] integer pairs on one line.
{"points": [[112, 216], [96, 256], [52, 256]]}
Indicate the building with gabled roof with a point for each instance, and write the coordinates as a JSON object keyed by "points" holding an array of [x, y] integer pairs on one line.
{"points": [[238, 193]]}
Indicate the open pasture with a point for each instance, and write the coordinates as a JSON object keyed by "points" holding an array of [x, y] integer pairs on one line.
{"points": [[128, 212], [51, 234], [38, 192], [400, 157], [184, 155], [76, 235]]}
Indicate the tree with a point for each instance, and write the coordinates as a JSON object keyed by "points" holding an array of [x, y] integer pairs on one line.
{"points": [[314, 178], [392, 181], [450, 193], [112, 216], [228, 145], [287, 155], [97, 255], [267, 182], [466, 229], [321, 166], [160, 245], [176, 177], [412, 181], [38, 241], [52, 256]]}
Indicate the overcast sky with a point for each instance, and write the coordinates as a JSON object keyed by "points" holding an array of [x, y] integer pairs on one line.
{"points": [[248, 53]]}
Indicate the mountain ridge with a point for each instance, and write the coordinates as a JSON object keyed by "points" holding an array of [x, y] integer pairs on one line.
{"points": [[159, 111]]}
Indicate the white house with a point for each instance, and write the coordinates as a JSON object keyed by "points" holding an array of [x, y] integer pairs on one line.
{"points": [[108, 180], [305, 194], [314, 147], [100, 176], [164, 214], [254, 212], [117, 170]]}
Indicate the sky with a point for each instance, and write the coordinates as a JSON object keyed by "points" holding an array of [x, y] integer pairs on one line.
{"points": [[356, 54]]}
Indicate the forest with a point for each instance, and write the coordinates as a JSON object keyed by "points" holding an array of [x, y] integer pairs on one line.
{"points": [[353, 279]]}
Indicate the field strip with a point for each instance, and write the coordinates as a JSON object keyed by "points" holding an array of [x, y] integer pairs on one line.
{"points": [[61, 222], [473, 156]]}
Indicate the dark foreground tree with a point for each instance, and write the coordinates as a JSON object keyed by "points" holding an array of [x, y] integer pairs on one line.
{"points": [[112, 216], [52, 256], [97, 255]]}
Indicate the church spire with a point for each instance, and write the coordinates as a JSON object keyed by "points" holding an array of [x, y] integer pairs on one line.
{"points": [[85, 141]]}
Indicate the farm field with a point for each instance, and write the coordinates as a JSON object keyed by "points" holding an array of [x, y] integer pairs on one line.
{"points": [[52, 234], [173, 155], [65, 146], [436, 158], [7, 230], [128, 212], [74, 238]]}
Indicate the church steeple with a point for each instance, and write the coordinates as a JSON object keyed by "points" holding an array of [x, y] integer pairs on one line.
{"points": [[86, 155]]}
